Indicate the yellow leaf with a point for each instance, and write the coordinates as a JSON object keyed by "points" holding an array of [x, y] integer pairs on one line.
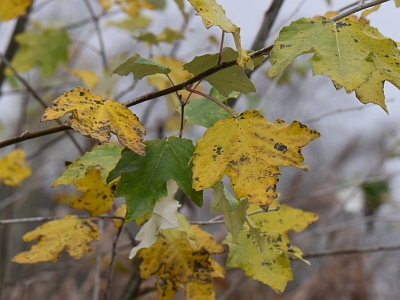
{"points": [[95, 117], [213, 14], [12, 171], [249, 150], [397, 2], [9, 9], [199, 291], [119, 212], [97, 198], [176, 261], [71, 232], [89, 78]]}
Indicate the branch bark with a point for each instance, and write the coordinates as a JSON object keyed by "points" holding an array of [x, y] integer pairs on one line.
{"points": [[350, 251]]}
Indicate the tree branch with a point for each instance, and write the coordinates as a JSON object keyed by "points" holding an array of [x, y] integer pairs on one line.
{"points": [[350, 251], [359, 7], [144, 98]]}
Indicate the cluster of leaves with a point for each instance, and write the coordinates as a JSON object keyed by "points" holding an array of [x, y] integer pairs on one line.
{"points": [[243, 146]]}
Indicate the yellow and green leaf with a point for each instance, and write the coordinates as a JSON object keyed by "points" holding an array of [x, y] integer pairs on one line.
{"points": [[355, 57], [249, 149]]}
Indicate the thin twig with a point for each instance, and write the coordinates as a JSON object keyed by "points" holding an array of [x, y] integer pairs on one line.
{"points": [[45, 219], [338, 111], [112, 263], [228, 109], [359, 7], [97, 267], [350, 251], [98, 32], [31, 135]]}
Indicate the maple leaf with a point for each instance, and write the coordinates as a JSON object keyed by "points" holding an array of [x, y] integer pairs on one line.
{"points": [[104, 157], [11, 9], [213, 14], [140, 67], [179, 257], [355, 57], [95, 117], [71, 232], [144, 179], [269, 265], [225, 81], [97, 198], [203, 112], [234, 210], [163, 217], [253, 148], [45, 49], [12, 170]]}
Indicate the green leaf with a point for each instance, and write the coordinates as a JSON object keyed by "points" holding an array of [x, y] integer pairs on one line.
{"points": [[357, 58], [144, 178], [131, 24], [234, 210], [148, 38], [169, 35], [271, 266], [225, 81], [204, 112], [140, 67], [45, 49], [104, 156]]}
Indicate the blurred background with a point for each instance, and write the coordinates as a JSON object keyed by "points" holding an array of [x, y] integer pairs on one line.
{"points": [[352, 185]]}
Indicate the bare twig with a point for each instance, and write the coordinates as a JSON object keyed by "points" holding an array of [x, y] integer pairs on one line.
{"points": [[112, 263], [98, 32], [97, 267], [339, 111], [359, 7], [350, 251], [45, 219]]}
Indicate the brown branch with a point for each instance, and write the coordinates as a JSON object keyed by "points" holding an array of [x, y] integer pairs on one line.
{"points": [[359, 7], [266, 25], [45, 219], [144, 98], [350, 251], [31, 135]]}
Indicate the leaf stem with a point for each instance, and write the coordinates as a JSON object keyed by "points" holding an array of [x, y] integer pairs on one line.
{"points": [[227, 108]]}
